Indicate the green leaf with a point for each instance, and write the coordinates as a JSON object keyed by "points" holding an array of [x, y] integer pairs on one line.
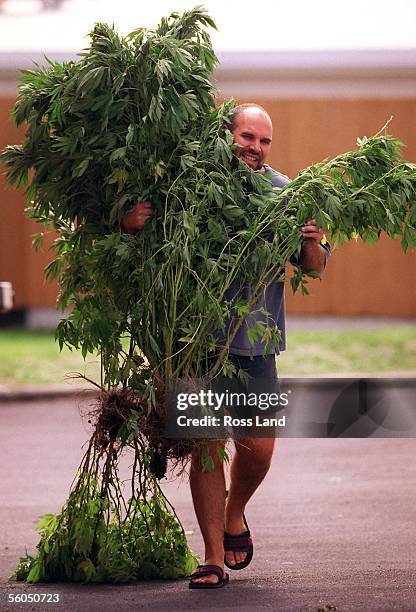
{"points": [[37, 241], [222, 454], [232, 212], [119, 153], [86, 570], [80, 169], [119, 176], [35, 573], [92, 78], [130, 135], [189, 225], [334, 206], [295, 281]]}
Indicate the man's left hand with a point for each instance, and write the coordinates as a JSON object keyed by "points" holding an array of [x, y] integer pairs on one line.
{"points": [[312, 256], [310, 231]]}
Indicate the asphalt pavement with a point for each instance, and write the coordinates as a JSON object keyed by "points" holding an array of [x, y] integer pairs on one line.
{"points": [[333, 523]]}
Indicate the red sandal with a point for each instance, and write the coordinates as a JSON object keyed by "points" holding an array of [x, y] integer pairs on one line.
{"points": [[240, 542], [207, 570]]}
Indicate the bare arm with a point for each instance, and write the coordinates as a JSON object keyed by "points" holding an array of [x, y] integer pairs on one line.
{"points": [[312, 256]]}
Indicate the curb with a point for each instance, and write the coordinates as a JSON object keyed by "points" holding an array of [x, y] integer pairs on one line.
{"points": [[50, 392], [45, 392]]}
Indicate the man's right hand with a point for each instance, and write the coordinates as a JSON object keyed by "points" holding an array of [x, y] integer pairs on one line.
{"points": [[137, 217]]}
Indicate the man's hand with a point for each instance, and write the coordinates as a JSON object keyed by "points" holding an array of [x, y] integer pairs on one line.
{"points": [[312, 257], [137, 217], [310, 231]]}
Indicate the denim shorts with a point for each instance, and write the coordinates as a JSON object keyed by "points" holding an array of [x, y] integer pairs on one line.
{"points": [[260, 366], [262, 380]]}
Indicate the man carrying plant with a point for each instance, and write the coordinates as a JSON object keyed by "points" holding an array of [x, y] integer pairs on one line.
{"points": [[220, 515]]}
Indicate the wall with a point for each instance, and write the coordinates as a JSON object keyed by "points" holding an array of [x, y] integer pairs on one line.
{"points": [[360, 279], [18, 261]]}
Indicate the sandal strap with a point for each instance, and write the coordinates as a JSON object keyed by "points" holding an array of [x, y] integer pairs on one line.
{"points": [[239, 542], [206, 570]]}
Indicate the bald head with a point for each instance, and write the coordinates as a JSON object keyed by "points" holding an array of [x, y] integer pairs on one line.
{"points": [[241, 108], [252, 130]]}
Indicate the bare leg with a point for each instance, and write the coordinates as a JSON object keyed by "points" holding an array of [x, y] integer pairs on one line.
{"points": [[249, 466], [208, 494]]}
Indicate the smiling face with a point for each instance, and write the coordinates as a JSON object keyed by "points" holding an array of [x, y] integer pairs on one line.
{"points": [[253, 131]]}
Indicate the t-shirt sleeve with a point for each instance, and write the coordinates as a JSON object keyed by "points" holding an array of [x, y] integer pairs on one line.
{"points": [[280, 180]]}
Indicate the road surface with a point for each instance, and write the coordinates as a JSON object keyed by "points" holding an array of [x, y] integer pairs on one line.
{"points": [[333, 523]]}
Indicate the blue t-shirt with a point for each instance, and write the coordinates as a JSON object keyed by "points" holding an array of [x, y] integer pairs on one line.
{"points": [[272, 301]]}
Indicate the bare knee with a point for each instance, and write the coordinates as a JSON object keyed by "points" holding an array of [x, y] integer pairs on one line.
{"points": [[257, 452], [208, 456]]}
